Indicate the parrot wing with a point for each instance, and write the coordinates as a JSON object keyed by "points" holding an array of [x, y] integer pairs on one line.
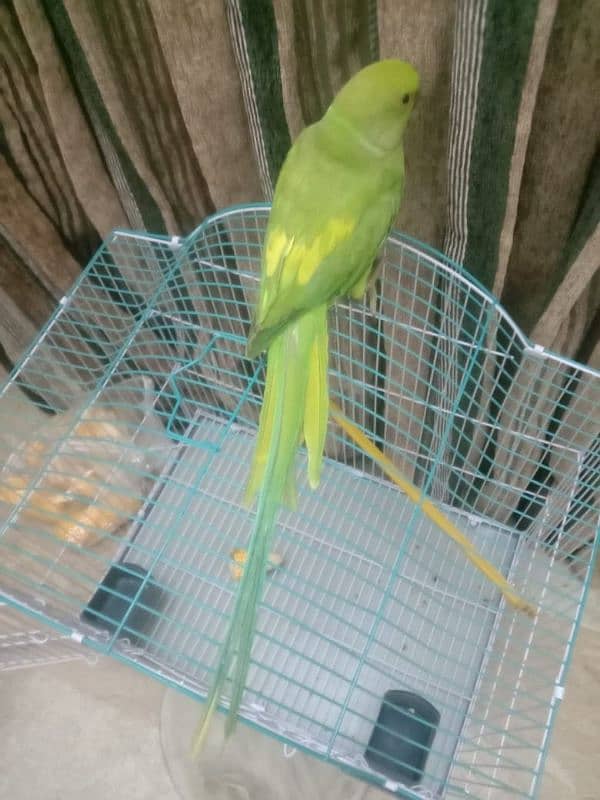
{"points": [[327, 224]]}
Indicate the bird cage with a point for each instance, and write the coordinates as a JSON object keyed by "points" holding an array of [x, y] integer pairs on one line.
{"points": [[25, 644], [122, 506]]}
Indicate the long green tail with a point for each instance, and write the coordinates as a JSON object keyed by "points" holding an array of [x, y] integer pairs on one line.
{"points": [[295, 406]]}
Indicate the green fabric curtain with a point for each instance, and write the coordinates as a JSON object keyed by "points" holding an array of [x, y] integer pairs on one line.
{"points": [[152, 114]]}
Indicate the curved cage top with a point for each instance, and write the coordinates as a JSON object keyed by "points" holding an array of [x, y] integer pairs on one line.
{"points": [[150, 403]]}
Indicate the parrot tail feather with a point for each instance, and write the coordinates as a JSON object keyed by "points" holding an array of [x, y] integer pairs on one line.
{"points": [[316, 412], [296, 366]]}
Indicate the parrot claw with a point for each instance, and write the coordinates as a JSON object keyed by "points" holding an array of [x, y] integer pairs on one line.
{"points": [[371, 299]]}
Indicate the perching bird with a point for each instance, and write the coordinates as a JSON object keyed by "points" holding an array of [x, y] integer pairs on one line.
{"points": [[337, 195]]}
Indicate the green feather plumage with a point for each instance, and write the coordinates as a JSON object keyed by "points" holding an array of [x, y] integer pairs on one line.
{"points": [[335, 200]]}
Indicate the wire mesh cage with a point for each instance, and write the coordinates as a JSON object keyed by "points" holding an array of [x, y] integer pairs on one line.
{"points": [[121, 506], [25, 644]]}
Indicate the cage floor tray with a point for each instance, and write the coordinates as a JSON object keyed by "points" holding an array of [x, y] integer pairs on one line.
{"points": [[357, 608]]}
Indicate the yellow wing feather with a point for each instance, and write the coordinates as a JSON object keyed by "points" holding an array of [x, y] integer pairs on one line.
{"points": [[290, 263]]}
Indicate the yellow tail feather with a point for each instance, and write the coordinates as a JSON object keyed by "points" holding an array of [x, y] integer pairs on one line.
{"points": [[432, 511], [203, 728], [316, 412]]}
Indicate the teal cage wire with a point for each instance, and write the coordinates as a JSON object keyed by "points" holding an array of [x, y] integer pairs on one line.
{"points": [[122, 502]]}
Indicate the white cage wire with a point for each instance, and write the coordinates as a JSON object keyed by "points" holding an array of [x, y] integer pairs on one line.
{"points": [[24, 644], [121, 505]]}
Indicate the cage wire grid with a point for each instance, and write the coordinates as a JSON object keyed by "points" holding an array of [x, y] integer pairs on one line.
{"points": [[132, 477], [24, 644]]}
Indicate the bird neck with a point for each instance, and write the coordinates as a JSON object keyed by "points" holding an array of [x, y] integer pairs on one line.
{"points": [[347, 139]]}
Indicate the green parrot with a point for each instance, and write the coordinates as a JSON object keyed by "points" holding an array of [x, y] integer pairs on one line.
{"points": [[336, 197]]}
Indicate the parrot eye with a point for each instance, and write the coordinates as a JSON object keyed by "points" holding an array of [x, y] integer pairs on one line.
{"points": [[405, 99]]}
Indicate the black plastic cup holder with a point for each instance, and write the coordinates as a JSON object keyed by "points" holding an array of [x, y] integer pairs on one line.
{"points": [[402, 737], [110, 605]]}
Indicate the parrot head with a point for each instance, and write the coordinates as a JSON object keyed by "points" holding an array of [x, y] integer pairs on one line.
{"points": [[377, 102]]}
